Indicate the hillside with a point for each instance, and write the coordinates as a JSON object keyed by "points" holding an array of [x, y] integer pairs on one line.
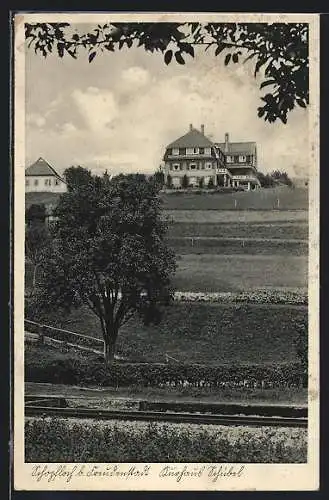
{"points": [[264, 199]]}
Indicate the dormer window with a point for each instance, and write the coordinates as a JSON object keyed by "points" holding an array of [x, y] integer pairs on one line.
{"points": [[195, 150], [201, 151], [169, 151], [182, 151]]}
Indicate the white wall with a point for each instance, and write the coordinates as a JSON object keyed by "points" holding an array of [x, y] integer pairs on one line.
{"points": [[43, 183]]}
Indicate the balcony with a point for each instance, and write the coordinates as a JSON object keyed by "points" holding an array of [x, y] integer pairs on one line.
{"points": [[224, 171]]}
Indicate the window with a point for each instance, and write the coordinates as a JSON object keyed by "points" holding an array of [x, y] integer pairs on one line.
{"points": [[47, 182], [242, 158], [182, 151], [236, 159], [169, 151], [195, 150], [192, 166], [175, 151], [27, 182], [176, 166], [208, 166], [229, 159], [36, 182], [56, 182], [201, 151], [248, 158]]}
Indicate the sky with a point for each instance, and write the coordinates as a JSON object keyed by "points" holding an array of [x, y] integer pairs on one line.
{"points": [[120, 111]]}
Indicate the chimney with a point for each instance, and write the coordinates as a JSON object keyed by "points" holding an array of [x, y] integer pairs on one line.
{"points": [[226, 142], [191, 126], [202, 129]]}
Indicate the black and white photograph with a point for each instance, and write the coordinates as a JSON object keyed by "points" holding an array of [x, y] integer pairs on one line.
{"points": [[166, 251]]}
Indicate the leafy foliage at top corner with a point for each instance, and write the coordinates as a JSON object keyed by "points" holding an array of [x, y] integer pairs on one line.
{"points": [[279, 51]]}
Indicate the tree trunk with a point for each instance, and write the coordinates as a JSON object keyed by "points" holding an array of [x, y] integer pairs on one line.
{"points": [[109, 347]]}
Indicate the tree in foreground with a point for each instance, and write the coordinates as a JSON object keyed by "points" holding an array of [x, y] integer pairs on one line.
{"points": [[278, 51], [108, 252], [36, 237]]}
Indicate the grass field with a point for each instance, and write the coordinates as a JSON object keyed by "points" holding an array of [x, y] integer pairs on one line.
{"points": [[240, 272], [209, 334], [238, 216], [252, 230], [237, 246], [226, 273], [264, 199]]}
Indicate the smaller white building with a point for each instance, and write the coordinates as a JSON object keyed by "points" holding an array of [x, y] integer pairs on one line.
{"points": [[42, 177]]}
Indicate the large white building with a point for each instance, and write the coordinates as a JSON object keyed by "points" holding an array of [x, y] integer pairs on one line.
{"points": [[42, 177], [195, 156]]}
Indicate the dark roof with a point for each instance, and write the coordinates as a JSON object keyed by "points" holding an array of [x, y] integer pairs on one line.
{"points": [[41, 167], [192, 139], [238, 147]]}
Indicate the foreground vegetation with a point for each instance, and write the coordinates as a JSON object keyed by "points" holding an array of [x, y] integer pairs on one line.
{"points": [[43, 364], [59, 440]]}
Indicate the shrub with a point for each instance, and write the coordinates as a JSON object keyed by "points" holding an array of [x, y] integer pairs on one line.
{"points": [[266, 296], [211, 184], [185, 181], [59, 440], [74, 371], [169, 181]]}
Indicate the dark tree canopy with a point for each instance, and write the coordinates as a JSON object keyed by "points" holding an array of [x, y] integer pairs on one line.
{"points": [[279, 51], [35, 214], [77, 176], [108, 252]]}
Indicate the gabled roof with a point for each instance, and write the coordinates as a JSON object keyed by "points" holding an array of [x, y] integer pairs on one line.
{"points": [[41, 167], [248, 148], [193, 139]]}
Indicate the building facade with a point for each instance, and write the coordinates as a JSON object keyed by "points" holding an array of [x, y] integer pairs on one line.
{"points": [[42, 177], [195, 160]]}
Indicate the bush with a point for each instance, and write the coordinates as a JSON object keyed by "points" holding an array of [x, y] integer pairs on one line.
{"points": [[81, 371], [211, 184], [59, 440], [260, 296]]}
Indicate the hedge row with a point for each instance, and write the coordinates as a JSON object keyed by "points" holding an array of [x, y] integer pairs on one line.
{"points": [[260, 296], [60, 440], [81, 371]]}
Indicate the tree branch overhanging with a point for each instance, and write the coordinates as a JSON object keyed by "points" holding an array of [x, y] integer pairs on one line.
{"points": [[285, 43]]}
